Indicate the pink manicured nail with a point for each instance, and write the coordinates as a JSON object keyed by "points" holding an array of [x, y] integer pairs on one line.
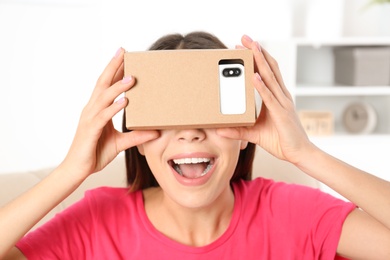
{"points": [[248, 38], [127, 79], [258, 76], [118, 52], [121, 100]]}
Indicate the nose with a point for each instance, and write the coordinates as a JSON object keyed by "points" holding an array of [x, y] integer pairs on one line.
{"points": [[191, 135]]}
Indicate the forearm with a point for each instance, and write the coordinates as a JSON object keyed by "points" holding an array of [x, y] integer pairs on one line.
{"points": [[367, 191], [20, 215]]}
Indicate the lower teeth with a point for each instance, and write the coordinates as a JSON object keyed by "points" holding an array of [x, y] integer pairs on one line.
{"points": [[206, 170], [177, 169]]}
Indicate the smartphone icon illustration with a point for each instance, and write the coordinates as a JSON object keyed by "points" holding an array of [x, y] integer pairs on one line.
{"points": [[232, 87]]}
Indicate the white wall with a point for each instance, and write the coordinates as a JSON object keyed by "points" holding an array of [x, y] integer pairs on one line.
{"points": [[51, 54]]}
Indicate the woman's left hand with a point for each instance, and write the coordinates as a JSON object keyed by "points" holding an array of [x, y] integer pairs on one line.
{"points": [[278, 129]]}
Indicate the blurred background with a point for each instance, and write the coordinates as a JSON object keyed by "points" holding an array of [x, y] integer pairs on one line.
{"points": [[52, 52]]}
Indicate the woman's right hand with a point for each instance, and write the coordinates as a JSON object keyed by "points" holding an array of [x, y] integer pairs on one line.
{"points": [[97, 142], [278, 129]]}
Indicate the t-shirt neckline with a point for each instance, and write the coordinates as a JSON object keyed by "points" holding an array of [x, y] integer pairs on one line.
{"points": [[155, 234]]}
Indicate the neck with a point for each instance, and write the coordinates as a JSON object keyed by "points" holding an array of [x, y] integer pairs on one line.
{"points": [[190, 226]]}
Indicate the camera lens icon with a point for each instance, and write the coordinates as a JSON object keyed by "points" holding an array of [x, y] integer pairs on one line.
{"points": [[231, 72]]}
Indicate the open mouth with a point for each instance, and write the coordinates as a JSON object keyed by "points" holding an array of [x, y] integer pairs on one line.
{"points": [[192, 168]]}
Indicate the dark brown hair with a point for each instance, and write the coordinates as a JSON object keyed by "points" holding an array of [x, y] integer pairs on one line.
{"points": [[139, 175]]}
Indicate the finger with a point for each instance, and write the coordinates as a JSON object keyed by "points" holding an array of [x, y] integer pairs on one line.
{"points": [[267, 96], [275, 68], [119, 74], [251, 134], [110, 71], [260, 60], [236, 133], [246, 41], [108, 96], [272, 64], [101, 119], [266, 72], [107, 77], [283, 118], [240, 47], [134, 138]]}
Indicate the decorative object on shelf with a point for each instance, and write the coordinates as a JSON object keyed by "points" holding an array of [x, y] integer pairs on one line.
{"points": [[362, 65], [317, 123], [359, 118]]}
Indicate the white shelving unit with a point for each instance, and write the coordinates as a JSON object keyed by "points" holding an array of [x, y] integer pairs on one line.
{"points": [[308, 70]]}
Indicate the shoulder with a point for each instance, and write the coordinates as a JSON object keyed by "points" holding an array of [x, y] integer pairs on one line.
{"points": [[86, 224], [304, 217], [283, 196], [268, 187], [109, 192], [105, 205], [101, 201], [259, 187], [110, 204], [111, 198]]}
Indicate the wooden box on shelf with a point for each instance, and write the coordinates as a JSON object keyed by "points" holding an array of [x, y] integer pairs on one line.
{"points": [[317, 123]]}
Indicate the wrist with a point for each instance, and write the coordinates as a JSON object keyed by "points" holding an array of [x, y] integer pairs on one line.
{"points": [[309, 156], [68, 170]]}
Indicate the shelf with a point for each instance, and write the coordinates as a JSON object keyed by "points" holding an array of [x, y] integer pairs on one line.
{"points": [[345, 41], [304, 90]]}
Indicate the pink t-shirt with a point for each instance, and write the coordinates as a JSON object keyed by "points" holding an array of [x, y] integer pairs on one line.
{"points": [[271, 220]]}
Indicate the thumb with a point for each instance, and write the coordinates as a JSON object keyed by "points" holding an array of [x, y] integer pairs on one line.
{"points": [[134, 138], [237, 133]]}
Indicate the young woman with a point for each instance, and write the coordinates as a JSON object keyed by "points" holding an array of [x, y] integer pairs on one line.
{"points": [[190, 190]]}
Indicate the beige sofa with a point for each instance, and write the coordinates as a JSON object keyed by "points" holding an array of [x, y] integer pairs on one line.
{"points": [[13, 184]]}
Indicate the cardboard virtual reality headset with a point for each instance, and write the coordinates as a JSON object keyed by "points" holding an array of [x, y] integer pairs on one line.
{"points": [[190, 89]]}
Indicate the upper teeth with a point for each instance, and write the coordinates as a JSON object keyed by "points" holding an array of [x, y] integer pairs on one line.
{"points": [[191, 160]]}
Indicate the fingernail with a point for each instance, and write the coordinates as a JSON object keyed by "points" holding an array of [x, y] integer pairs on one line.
{"points": [[118, 52], [258, 76], [258, 46], [127, 79], [248, 38], [121, 100]]}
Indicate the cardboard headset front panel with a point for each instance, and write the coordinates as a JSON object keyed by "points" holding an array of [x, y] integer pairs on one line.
{"points": [[190, 89]]}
